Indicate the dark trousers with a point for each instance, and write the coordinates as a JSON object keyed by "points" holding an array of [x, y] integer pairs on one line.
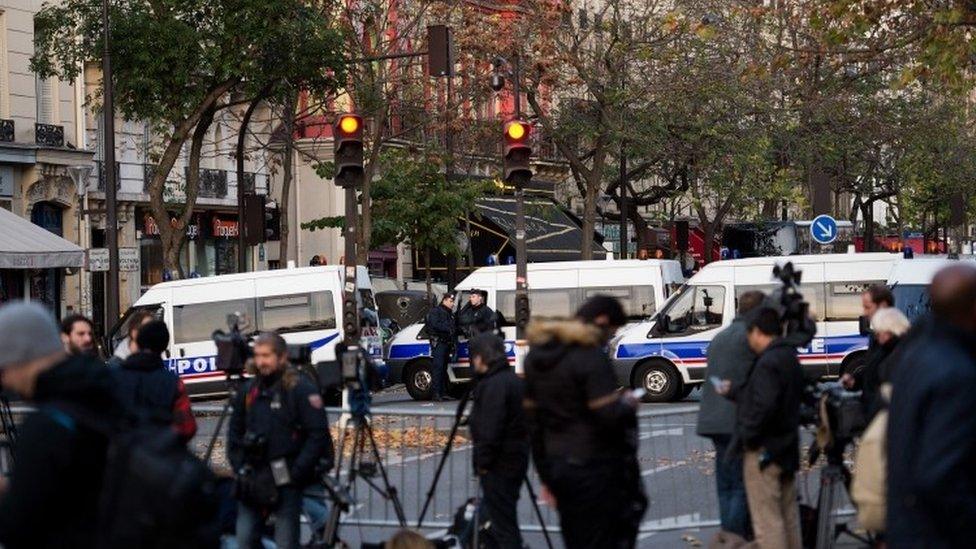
{"points": [[287, 520], [499, 504], [595, 505], [733, 507], [441, 355]]}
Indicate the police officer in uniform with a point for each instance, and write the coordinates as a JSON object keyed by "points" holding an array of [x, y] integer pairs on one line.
{"points": [[278, 440], [476, 317], [442, 334]]}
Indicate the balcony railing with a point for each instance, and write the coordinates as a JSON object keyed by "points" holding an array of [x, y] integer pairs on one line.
{"points": [[213, 183], [100, 166], [49, 135], [6, 130]]}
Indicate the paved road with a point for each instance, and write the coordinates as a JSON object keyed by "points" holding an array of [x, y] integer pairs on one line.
{"points": [[676, 468]]}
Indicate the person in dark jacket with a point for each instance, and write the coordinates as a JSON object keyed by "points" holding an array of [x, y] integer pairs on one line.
{"points": [[476, 317], [51, 499], [867, 378], [768, 424], [931, 444], [441, 330], [148, 389], [729, 358], [278, 437], [500, 437], [583, 430]]}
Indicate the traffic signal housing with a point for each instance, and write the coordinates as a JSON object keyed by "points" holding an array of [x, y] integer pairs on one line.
{"points": [[518, 153], [348, 139]]}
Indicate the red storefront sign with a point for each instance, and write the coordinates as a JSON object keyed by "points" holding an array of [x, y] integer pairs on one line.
{"points": [[224, 228]]}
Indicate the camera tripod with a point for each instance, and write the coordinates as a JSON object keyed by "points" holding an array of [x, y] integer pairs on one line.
{"points": [[458, 420], [359, 433], [833, 479], [234, 381]]}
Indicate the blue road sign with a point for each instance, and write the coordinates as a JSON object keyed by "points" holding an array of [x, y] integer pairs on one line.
{"points": [[824, 229]]}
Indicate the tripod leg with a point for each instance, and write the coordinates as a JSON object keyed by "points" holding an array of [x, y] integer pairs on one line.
{"points": [[538, 511], [220, 426], [330, 533], [825, 510], [444, 453], [391, 492]]}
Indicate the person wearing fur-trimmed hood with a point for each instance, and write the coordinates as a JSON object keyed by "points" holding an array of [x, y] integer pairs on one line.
{"points": [[583, 429]]}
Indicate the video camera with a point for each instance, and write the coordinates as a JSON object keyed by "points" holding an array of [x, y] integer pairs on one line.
{"points": [[787, 300], [844, 415], [352, 370], [233, 349]]}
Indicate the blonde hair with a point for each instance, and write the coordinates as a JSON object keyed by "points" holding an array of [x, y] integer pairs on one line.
{"points": [[408, 539], [890, 320]]}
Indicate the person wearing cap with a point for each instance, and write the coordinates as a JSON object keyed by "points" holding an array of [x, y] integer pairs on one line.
{"points": [[500, 437], [442, 332], [146, 387], [476, 316], [51, 499], [583, 429]]}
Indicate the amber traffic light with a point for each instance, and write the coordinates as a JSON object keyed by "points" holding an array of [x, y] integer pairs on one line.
{"points": [[348, 138], [518, 153]]}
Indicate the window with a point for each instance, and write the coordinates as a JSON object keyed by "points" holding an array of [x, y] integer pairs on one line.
{"points": [[844, 299], [296, 312], [812, 294], [638, 301], [697, 309], [556, 303], [197, 322]]}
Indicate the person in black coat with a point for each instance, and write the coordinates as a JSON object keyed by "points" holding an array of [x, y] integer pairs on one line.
{"points": [[476, 317], [52, 497], [442, 333], [583, 430], [931, 444], [768, 429], [501, 440], [146, 387]]}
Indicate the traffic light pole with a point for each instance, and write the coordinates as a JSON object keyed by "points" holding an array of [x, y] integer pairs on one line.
{"points": [[522, 310], [624, 244], [349, 308]]}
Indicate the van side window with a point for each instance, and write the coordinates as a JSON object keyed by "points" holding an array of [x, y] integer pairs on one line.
{"points": [[198, 321], [554, 303], [697, 309], [812, 293], [844, 299], [296, 312], [638, 301]]}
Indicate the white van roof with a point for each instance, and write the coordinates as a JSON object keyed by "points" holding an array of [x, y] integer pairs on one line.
{"points": [[720, 271], [581, 265], [255, 275], [489, 276], [920, 270]]}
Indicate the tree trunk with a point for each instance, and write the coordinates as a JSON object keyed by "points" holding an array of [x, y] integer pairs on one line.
{"points": [[192, 185], [709, 238], [286, 177], [365, 234], [867, 212], [589, 223]]}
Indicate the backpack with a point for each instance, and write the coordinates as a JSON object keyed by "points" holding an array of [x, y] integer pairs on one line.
{"points": [[155, 492], [868, 490]]}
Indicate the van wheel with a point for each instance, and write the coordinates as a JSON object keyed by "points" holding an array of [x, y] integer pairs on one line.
{"points": [[419, 380], [853, 365], [661, 381]]}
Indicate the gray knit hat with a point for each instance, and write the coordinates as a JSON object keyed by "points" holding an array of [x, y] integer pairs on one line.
{"points": [[27, 332]]}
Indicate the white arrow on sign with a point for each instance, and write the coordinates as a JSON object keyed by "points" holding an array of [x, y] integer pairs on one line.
{"points": [[827, 230]]}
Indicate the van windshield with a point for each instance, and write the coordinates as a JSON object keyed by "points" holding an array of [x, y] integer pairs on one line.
{"points": [[912, 299]]}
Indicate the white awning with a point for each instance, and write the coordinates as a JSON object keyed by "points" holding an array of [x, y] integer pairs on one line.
{"points": [[24, 245]]}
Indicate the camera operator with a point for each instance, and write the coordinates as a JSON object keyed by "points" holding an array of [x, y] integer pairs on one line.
{"points": [[583, 430], [278, 434], [476, 317], [768, 422], [441, 330], [501, 441], [931, 445]]}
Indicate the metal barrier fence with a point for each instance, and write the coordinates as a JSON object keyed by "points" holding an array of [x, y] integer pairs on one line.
{"points": [[677, 468]]}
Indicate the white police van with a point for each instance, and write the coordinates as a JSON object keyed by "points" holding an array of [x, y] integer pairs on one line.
{"points": [[301, 304], [667, 359], [556, 290], [910, 280]]}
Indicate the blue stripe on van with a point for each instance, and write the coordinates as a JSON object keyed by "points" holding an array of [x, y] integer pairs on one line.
{"points": [[691, 350], [319, 343], [406, 351]]}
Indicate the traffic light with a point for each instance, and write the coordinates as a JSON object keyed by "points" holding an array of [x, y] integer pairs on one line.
{"points": [[272, 224], [254, 223], [348, 138], [518, 153]]}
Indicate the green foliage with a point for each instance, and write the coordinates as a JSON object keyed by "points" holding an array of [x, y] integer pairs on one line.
{"points": [[412, 202]]}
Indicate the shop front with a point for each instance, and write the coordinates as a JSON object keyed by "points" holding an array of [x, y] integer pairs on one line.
{"points": [[210, 247]]}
